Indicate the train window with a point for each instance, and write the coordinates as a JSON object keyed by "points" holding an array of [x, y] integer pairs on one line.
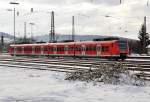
{"points": [[94, 48], [66, 48], [69, 49], [19, 49], [59, 49], [12, 49], [62, 48], [83, 48], [105, 48], [54, 49], [45, 48], [50, 49], [37, 49], [28, 49], [72, 48], [90, 48], [87, 48], [122, 45], [25, 49], [98, 48], [78, 48]]}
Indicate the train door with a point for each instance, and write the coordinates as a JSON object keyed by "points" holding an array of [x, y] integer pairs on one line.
{"points": [[98, 50], [55, 49], [33, 50], [42, 50], [66, 49], [83, 50], [22, 50]]}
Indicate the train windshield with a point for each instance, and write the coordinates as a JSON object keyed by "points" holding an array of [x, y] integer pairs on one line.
{"points": [[123, 44]]}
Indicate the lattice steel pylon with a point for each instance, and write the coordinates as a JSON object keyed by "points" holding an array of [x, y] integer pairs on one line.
{"points": [[52, 31]]}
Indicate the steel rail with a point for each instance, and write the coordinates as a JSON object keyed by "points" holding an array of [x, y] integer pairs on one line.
{"points": [[64, 65]]}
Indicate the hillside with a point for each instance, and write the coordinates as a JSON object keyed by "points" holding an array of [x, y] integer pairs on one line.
{"points": [[61, 37], [7, 37]]}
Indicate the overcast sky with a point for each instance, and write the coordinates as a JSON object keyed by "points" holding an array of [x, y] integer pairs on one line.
{"points": [[124, 19]]}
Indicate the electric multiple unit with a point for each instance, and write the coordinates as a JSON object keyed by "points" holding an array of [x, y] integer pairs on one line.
{"points": [[117, 49]]}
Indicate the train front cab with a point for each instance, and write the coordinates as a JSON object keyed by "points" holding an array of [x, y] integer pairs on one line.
{"points": [[123, 49]]}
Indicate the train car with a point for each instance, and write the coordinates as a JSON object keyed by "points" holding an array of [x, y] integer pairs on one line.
{"points": [[117, 49]]}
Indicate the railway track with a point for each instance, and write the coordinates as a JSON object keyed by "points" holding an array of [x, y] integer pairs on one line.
{"points": [[139, 57], [65, 65], [40, 66]]}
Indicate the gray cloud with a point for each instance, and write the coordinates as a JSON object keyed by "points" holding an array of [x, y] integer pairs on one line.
{"points": [[90, 16], [65, 2]]}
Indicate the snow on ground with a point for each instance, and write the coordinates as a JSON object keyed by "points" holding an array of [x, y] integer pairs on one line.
{"points": [[138, 55], [26, 85]]}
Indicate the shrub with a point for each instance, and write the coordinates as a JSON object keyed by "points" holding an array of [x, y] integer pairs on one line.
{"points": [[110, 73]]}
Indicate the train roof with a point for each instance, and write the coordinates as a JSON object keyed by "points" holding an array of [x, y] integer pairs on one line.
{"points": [[66, 43]]}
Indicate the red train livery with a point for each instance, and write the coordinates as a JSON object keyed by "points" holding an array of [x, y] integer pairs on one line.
{"points": [[117, 49]]}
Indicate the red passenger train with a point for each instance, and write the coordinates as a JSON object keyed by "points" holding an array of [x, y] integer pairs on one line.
{"points": [[117, 49]]}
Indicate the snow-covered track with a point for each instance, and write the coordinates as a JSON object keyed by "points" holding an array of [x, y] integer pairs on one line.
{"points": [[40, 66], [139, 57], [70, 65]]}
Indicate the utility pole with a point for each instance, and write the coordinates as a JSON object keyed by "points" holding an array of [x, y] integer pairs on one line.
{"points": [[120, 1], [2, 43], [32, 38], [144, 39], [73, 29], [25, 36], [145, 23], [14, 3], [52, 31], [73, 35]]}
